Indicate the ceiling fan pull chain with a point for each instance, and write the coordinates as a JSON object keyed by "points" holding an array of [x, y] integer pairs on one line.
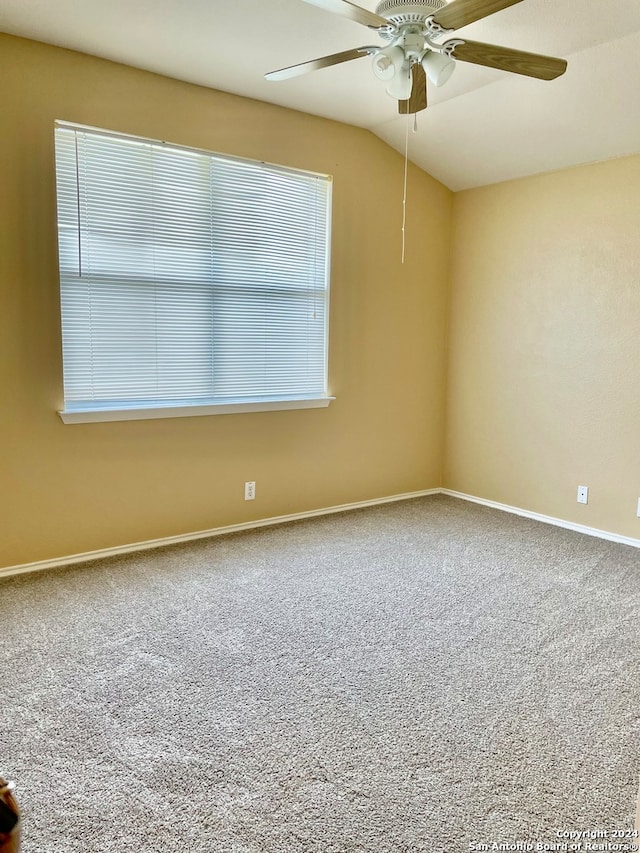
{"points": [[404, 195]]}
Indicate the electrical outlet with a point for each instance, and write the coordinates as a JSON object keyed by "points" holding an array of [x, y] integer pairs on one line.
{"points": [[583, 494], [638, 512], [250, 491]]}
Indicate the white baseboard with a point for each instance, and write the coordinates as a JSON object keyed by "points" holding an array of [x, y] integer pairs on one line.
{"points": [[547, 519], [59, 562], [298, 516]]}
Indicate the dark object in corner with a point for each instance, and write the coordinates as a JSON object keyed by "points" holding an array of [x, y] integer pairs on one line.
{"points": [[9, 819]]}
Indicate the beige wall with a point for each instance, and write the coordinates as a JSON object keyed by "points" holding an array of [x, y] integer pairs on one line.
{"points": [[542, 338], [544, 348], [72, 488]]}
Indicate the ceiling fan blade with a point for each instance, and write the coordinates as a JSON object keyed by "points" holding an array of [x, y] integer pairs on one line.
{"points": [[418, 99], [316, 64], [458, 13], [351, 11], [506, 59]]}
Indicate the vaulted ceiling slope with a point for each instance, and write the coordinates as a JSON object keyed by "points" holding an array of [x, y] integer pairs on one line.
{"points": [[481, 127]]}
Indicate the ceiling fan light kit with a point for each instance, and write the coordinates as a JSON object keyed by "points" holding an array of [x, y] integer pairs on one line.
{"points": [[415, 31]]}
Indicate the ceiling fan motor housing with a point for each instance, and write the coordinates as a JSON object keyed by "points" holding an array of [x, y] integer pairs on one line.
{"points": [[398, 12], [408, 17]]}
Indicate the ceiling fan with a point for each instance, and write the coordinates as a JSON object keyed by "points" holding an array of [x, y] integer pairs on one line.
{"points": [[415, 49]]}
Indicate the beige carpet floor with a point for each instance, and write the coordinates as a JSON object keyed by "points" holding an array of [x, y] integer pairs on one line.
{"points": [[421, 676]]}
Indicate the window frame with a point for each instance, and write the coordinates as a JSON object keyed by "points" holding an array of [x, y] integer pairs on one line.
{"points": [[99, 411]]}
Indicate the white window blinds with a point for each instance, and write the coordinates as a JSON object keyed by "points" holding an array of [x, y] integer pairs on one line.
{"points": [[188, 278]]}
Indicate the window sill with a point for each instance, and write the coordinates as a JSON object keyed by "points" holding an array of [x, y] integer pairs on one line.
{"points": [[89, 416]]}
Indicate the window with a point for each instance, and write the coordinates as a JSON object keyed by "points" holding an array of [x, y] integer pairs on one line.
{"points": [[191, 282]]}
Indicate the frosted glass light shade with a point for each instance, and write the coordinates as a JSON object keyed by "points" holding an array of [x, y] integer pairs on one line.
{"points": [[438, 67], [386, 63], [400, 87]]}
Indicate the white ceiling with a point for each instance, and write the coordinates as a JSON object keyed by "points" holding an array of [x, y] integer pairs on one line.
{"points": [[483, 126]]}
